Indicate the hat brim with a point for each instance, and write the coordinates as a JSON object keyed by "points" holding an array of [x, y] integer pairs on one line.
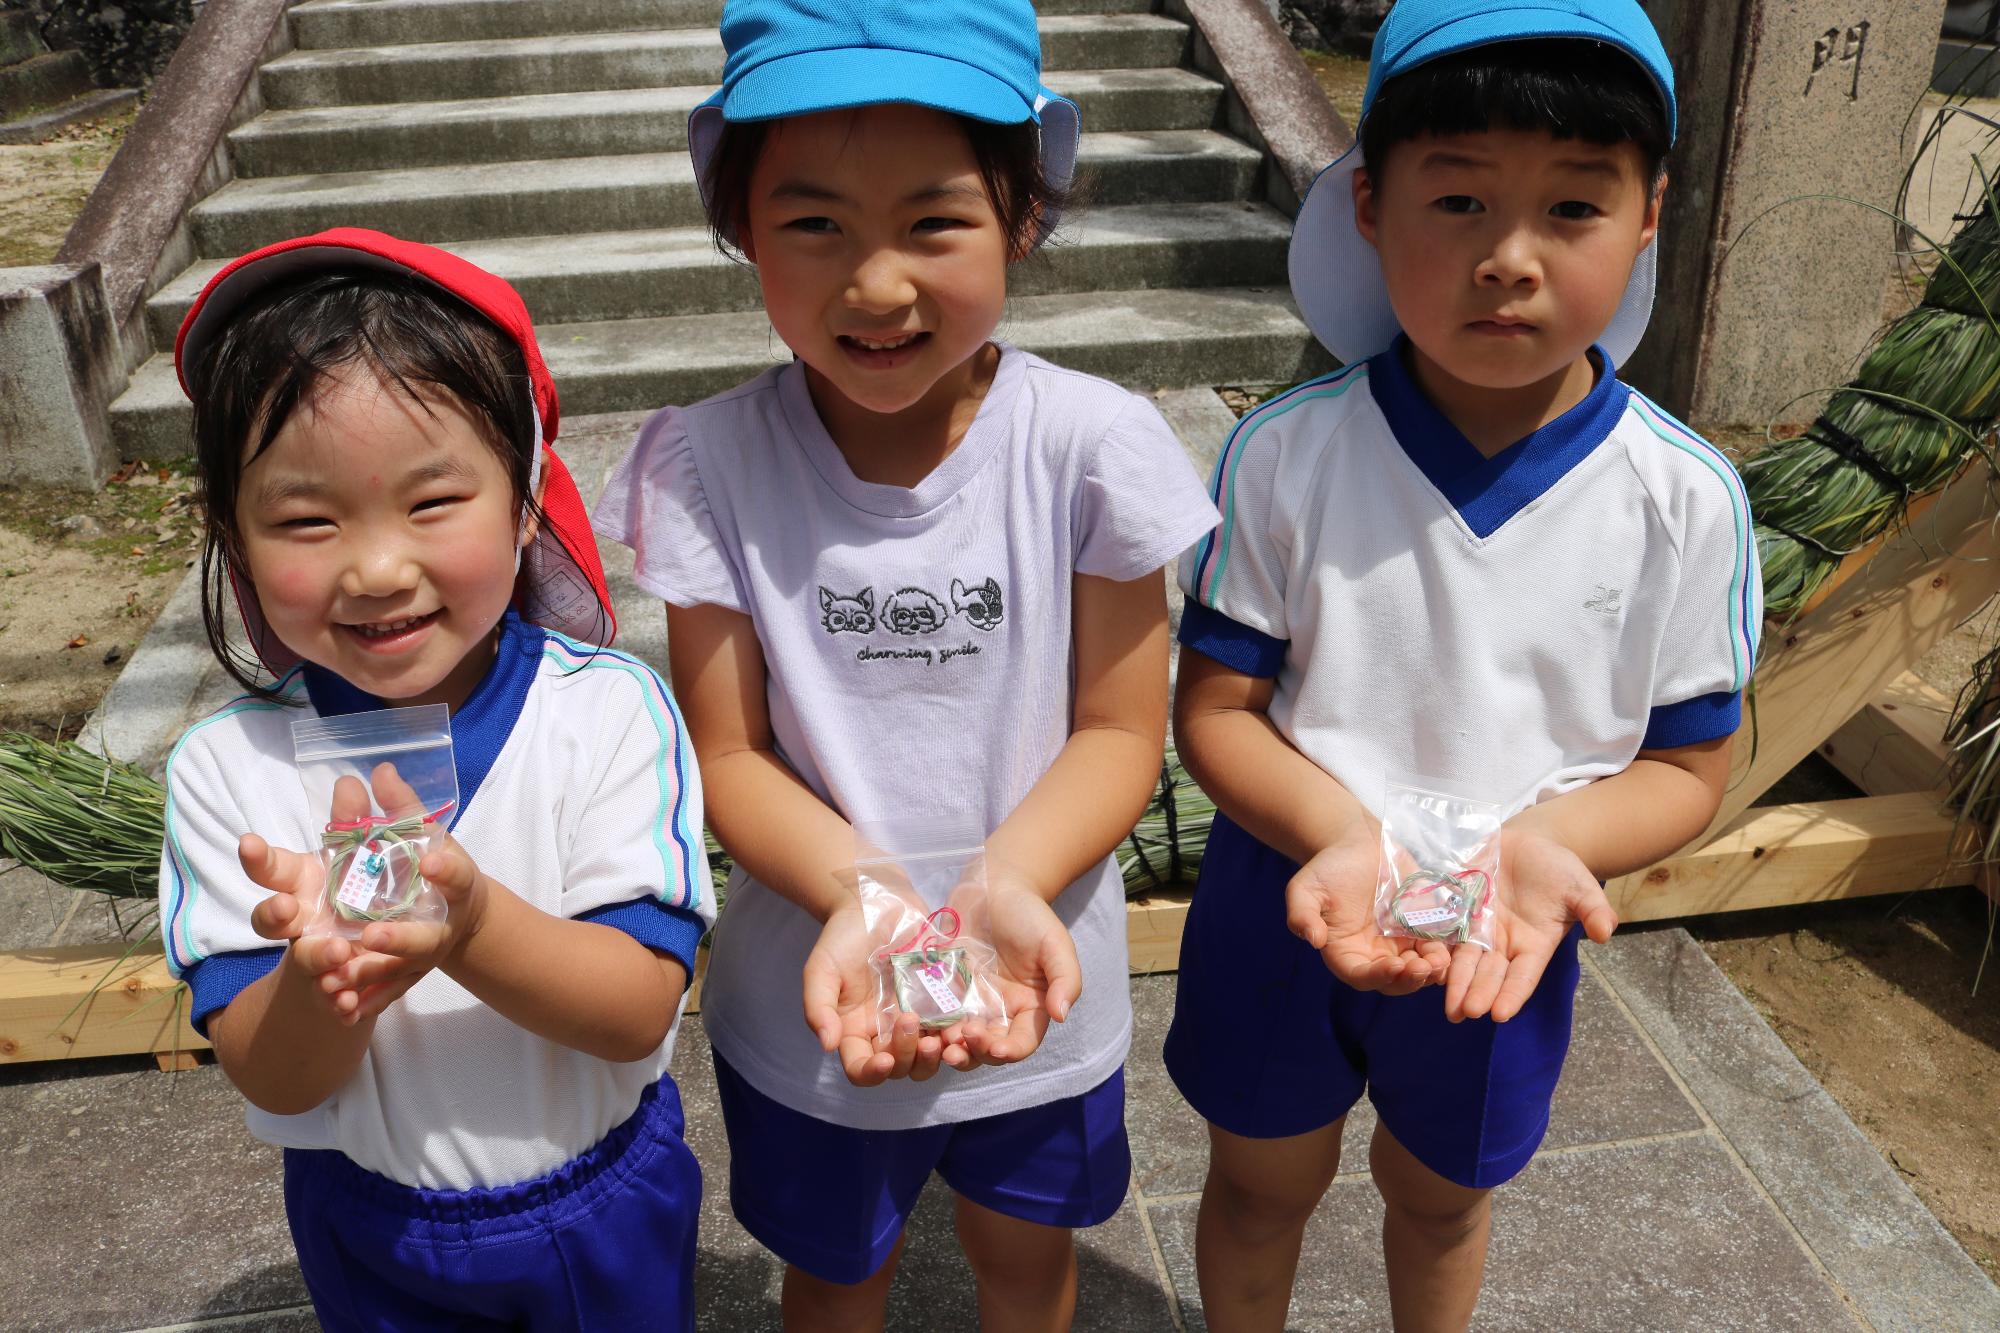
{"points": [[1338, 287], [817, 81]]}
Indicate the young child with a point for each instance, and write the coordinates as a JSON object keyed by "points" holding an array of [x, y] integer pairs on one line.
{"points": [[478, 1126], [913, 572], [1472, 559]]}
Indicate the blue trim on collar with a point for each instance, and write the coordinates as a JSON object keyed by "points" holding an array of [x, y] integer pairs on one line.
{"points": [[1487, 492], [481, 725], [1706, 717], [1230, 642]]}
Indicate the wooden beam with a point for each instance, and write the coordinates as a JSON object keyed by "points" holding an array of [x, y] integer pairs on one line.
{"points": [[91, 999], [1825, 666], [1781, 855], [1896, 742], [1153, 926]]}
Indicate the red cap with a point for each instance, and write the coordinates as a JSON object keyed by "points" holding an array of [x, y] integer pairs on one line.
{"points": [[561, 584]]}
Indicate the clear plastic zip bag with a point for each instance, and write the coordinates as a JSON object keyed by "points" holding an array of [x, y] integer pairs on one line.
{"points": [[387, 785], [922, 884], [1440, 859]]}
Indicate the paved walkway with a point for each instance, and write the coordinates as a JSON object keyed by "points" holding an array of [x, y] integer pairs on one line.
{"points": [[1695, 1176]]}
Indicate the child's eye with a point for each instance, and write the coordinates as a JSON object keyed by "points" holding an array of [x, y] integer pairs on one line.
{"points": [[1574, 210], [812, 226], [438, 503], [1460, 203], [301, 524], [940, 224]]}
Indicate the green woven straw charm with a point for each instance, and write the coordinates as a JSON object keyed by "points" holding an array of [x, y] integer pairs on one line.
{"points": [[373, 875], [933, 984], [1440, 904]]}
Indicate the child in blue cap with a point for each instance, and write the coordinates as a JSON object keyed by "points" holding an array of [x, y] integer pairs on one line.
{"points": [[1471, 560], [913, 573]]}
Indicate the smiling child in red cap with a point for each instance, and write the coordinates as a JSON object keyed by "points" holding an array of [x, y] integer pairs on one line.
{"points": [[477, 1119]]}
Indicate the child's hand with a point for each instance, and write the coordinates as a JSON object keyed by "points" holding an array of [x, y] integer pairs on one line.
{"points": [[394, 955], [840, 999], [1039, 976], [294, 881], [1330, 904], [1543, 887]]}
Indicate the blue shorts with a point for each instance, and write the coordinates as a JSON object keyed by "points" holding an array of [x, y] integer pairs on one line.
{"points": [[832, 1200], [1266, 1043], [605, 1241]]}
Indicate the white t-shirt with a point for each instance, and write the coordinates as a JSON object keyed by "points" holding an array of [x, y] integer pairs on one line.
{"points": [[577, 790], [918, 645], [1510, 628]]}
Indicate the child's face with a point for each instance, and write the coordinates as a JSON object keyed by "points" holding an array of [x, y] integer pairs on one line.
{"points": [[381, 539], [883, 263], [1506, 252]]}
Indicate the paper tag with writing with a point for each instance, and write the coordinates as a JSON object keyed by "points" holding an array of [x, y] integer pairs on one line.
{"points": [[1431, 916], [363, 879], [933, 980]]}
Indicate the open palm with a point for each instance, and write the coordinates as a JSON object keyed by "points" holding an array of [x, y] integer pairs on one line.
{"points": [[1330, 904], [1037, 973], [1543, 888]]}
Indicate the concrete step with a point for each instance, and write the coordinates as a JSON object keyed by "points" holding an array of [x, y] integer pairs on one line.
{"points": [[1144, 339], [42, 81], [651, 274], [93, 105], [390, 135], [337, 23], [636, 191], [579, 62]]}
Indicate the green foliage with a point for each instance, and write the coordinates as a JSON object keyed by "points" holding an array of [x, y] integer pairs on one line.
{"points": [[127, 42]]}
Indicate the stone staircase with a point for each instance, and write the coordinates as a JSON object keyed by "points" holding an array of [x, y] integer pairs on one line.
{"points": [[544, 139]]}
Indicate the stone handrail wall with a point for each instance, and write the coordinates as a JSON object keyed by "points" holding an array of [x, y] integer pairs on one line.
{"points": [[1274, 99], [134, 225]]}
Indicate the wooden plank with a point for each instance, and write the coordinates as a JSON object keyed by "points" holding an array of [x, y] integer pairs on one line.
{"points": [[1153, 927], [90, 999], [1823, 667], [1896, 743], [1780, 855]]}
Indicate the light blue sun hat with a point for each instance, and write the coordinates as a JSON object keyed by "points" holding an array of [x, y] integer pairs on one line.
{"points": [[976, 58], [1336, 274]]}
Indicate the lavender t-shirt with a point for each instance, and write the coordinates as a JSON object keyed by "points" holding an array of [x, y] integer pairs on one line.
{"points": [[919, 655]]}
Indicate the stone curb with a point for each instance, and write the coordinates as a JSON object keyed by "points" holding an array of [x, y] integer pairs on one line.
{"points": [[1891, 1258]]}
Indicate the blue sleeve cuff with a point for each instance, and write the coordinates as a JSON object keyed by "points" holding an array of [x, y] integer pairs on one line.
{"points": [[1692, 721], [219, 978], [1235, 645], [674, 931]]}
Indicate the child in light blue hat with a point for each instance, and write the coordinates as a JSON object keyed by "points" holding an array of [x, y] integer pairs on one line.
{"points": [[1472, 562], [915, 573]]}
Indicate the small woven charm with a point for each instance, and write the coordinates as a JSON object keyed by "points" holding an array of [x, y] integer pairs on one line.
{"points": [[933, 984], [1440, 904], [373, 875]]}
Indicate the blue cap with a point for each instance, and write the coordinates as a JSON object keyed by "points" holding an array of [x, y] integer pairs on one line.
{"points": [[976, 58], [1336, 274]]}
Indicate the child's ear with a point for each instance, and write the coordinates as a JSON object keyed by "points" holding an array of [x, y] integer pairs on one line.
{"points": [[1364, 205], [531, 521], [1022, 243], [746, 246], [1651, 227]]}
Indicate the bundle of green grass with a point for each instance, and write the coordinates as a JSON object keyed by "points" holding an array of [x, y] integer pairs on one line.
{"points": [[1923, 404], [94, 824]]}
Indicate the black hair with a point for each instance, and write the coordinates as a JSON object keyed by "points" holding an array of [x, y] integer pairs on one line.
{"points": [[276, 352], [1010, 167], [1572, 88]]}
